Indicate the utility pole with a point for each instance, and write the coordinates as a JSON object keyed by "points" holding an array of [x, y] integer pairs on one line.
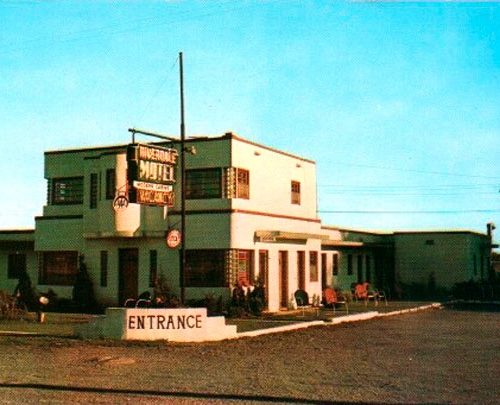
{"points": [[182, 267]]}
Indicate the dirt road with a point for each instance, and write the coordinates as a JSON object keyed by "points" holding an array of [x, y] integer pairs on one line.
{"points": [[439, 356]]}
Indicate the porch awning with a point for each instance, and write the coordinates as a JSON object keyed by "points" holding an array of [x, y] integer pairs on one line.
{"points": [[273, 236], [342, 243]]}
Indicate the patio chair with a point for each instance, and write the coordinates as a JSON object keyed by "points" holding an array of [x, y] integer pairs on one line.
{"points": [[362, 292], [129, 303], [302, 300], [332, 298], [381, 295]]}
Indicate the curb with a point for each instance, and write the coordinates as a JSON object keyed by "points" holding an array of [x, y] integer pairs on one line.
{"points": [[337, 321]]}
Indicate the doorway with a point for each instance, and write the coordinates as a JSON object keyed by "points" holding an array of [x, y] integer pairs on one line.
{"points": [[283, 270], [128, 269]]}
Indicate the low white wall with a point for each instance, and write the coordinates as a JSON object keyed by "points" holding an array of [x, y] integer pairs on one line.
{"points": [[177, 325]]}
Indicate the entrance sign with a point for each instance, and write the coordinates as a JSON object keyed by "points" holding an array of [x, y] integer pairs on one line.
{"points": [[173, 238], [151, 174], [173, 324]]}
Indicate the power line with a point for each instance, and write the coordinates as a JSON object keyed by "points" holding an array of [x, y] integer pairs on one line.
{"points": [[405, 211], [416, 170], [123, 27]]}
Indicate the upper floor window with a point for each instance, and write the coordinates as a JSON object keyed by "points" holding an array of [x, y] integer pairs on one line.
{"points": [[203, 183], [110, 184], [295, 192], [93, 190], [242, 183], [67, 190]]}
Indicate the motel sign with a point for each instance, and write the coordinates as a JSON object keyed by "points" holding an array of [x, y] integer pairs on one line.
{"points": [[151, 174]]}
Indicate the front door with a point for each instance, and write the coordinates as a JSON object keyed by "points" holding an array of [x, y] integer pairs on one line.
{"points": [[283, 270], [128, 283], [264, 273]]}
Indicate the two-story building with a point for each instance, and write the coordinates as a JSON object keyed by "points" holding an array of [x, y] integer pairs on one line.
{"points": [[250, 214]]}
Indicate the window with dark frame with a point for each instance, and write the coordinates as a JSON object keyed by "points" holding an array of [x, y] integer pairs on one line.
{"points": [[58, 268], [335, 258], [66, 190], [313, 266], [205, 268], [203, 183], [93, 190], [360, 268], [104, 268], [16, 265], [368, 269], [110, 184], [349, 265], [295, 188], [153, 267], [242, 183]]}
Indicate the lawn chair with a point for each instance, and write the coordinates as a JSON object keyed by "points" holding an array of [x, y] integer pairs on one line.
{"points": [[381, 295], [332, 298], [362, 292], [302, 300]]}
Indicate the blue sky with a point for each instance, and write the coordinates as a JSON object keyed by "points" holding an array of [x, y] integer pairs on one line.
{"points": [[398, 103]]}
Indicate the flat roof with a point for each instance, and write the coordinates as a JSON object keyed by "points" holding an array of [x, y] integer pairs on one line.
{"points": [[195, 138]]}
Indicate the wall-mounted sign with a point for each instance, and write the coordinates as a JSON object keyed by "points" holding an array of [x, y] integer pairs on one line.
{"points": [[151, 174], [173, 238]]}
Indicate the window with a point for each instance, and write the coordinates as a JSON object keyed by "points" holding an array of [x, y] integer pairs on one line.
{"points": [[93, 190], [242, 183], [205, 268], [313, 266], [16, 265], [360, 268], [153, 267], [66, 191], [104, 268], [368, 269], [110, 184], [349, 265], [244, 267], [58, 268], [474, 260], [335, 259], [203, 183], [429, 242], [295, 192]]}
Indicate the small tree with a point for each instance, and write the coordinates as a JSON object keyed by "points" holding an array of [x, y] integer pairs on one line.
{"points": [[83, 289], [24, 291]]}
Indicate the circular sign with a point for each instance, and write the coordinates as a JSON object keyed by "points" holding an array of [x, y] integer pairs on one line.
{"points": [[173, 238]]}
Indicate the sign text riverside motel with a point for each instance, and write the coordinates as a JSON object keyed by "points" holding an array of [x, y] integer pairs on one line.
{"points": [[151, 174]]}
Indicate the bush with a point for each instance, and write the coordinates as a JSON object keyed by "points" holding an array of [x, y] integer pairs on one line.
{"points": [[83, 289], [477, 290]]}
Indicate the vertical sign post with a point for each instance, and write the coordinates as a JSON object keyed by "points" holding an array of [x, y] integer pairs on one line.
{"points": [[182, 260]]}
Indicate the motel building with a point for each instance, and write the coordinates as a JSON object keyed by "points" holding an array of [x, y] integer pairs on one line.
{"points": [[251, 216]]}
